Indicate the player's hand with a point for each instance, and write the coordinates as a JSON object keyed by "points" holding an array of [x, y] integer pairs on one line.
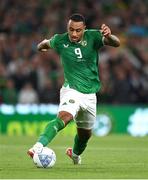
{"points": [[43, 46], [105, 30]]}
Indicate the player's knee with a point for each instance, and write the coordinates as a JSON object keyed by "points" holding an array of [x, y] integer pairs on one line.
{"points": [[65, 116]]}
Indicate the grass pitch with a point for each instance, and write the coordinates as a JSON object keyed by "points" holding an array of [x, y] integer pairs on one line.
{"points": [[112, 157]]}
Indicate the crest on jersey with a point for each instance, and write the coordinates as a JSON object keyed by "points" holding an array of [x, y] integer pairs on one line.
{"points": [[84, 43]]}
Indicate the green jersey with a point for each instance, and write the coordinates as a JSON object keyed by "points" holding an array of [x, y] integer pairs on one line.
{"points": [[79, 60]]}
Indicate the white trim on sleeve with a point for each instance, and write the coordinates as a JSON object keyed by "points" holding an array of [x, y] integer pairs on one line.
{"points": [[103, 40]]}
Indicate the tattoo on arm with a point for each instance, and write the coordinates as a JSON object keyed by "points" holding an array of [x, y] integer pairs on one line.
{"points": [[112, 40], [44, 45]]}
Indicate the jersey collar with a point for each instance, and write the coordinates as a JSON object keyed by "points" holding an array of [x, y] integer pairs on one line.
{"points": [[79, 42]]}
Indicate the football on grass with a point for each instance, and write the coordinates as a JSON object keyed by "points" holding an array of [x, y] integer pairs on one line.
{"points": [[45, 159]]}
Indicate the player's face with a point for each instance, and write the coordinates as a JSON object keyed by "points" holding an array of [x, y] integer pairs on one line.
{"points": [[75, 30]]}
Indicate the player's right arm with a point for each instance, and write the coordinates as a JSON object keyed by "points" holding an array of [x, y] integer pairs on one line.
{"points": [[51, 43], [43, 45]]}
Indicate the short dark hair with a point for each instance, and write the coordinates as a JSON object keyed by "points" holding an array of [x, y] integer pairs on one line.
{"points": [[77, 18]]}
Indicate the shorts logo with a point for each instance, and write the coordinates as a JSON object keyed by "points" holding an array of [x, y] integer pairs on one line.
{"points": [[71, 101], [64, 103]]}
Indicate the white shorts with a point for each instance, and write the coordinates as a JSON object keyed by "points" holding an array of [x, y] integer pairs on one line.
{"points": [[81, 106]]}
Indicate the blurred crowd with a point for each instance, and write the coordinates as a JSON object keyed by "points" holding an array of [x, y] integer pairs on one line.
{"points": [[28, 76]]}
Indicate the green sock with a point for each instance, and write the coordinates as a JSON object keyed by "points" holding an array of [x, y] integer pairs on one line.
{"points": [[79, 145], [52, 128]]}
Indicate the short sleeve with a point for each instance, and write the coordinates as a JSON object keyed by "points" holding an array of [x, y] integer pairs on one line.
{"points": [[53, 42], [98, 38]]}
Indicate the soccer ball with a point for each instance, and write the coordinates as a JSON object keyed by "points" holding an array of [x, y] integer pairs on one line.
{"points": [[45, 159]]}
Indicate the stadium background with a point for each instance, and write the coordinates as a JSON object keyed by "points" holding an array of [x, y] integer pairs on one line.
{"points": [[27, 76]]}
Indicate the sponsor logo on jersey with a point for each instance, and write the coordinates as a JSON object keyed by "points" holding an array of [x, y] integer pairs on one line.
{"points": [[66, 45]]}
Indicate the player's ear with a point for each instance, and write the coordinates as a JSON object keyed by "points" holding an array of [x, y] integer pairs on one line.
{"points": [[68, 25]]}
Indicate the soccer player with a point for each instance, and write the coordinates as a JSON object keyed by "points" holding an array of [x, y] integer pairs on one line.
{"points": [[78, 50]]}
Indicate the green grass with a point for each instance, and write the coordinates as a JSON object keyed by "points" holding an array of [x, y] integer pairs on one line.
{"points": [[107, 157]]}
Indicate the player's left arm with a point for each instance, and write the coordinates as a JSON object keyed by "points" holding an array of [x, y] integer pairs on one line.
{"points": [[109, 38]]}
